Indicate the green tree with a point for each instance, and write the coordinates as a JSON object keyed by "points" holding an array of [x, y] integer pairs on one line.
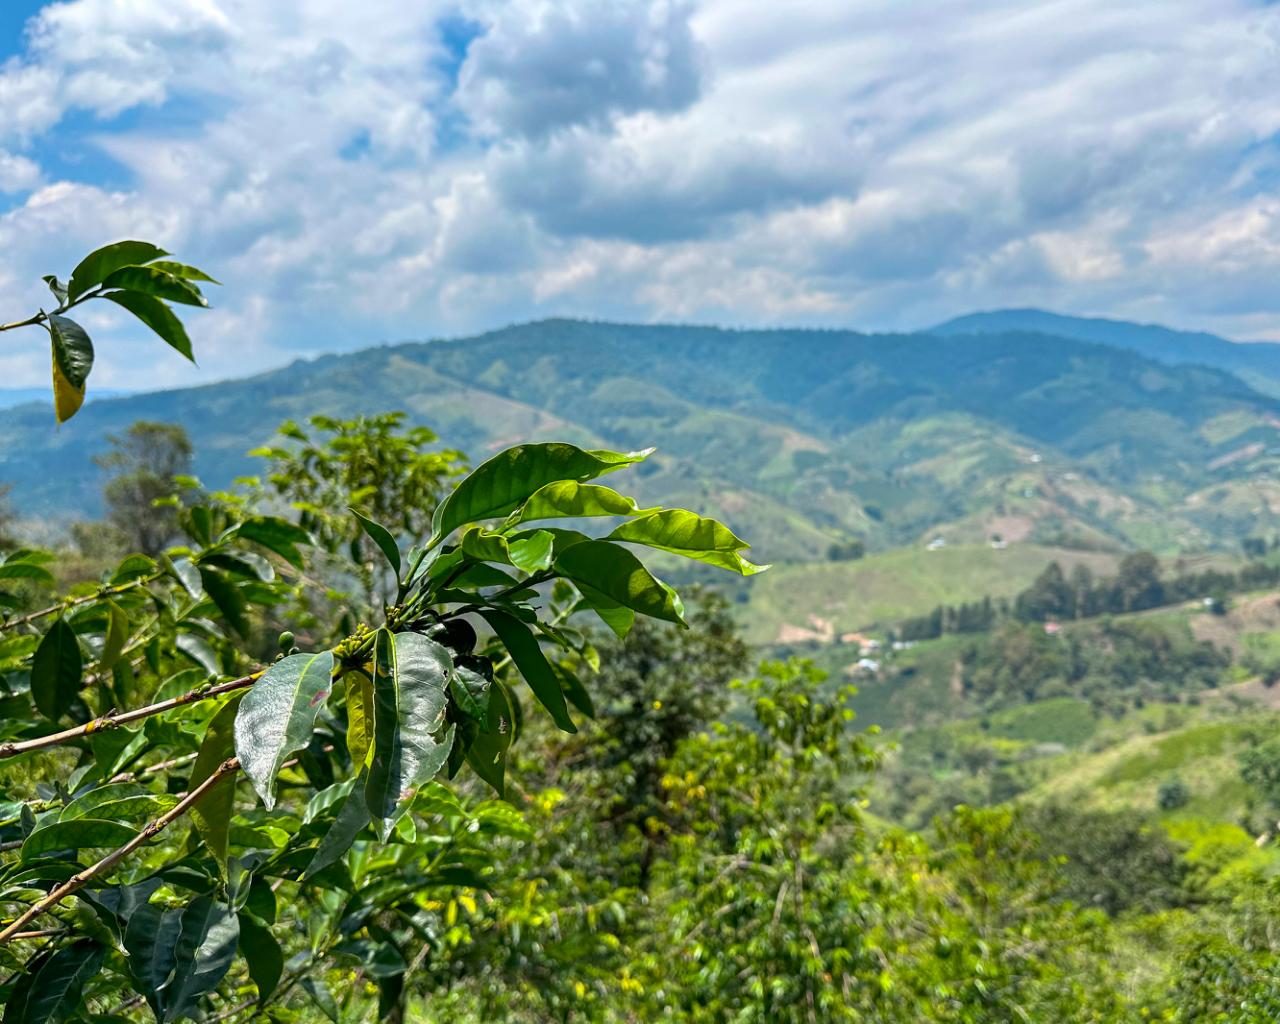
{"points": [[145, 464], [251, 831], [371, 465]]}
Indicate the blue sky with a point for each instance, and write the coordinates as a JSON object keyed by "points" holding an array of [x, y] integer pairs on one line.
{"points": [[360, 173]]}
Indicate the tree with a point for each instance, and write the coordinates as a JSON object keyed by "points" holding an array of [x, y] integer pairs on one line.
{"points": [[145, 464], [370, 465], [323, 843], [1138, 582]]}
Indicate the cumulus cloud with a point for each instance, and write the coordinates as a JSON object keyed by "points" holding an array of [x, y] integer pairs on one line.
{"points": [[543, 66], [365, 172]]}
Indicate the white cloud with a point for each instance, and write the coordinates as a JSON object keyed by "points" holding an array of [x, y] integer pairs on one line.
{"points": [[353, 176]]}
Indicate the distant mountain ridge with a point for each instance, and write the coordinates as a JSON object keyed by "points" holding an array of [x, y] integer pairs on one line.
{"points": [[1257, 362], [798, 438]]}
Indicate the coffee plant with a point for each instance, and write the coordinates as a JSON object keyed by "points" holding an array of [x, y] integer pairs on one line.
{"points": [[200, 822]]}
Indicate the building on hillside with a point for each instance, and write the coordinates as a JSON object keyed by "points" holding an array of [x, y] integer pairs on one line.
{"points": [[1052, 628]]}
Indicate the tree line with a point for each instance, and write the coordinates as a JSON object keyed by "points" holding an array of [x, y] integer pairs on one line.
{"points": [[1055, 595]]}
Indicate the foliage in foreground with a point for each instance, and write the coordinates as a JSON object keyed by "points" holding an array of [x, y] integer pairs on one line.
{"points": [[341, 743]]}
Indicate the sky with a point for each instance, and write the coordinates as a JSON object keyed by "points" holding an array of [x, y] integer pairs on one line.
{"points": [[365, 172]]}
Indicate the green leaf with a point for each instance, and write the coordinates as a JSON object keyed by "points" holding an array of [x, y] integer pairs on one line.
{"points": [[523, 647], [50, 985], [612, 614], [184, 271], [227, 598], [487, 754], [58, 289], [617, 574], [206, 946], [359, 717], [100, 263], [576, 692], [150, 939], [198, 650], [55, 671], [353, 817], [499, 486], [277, 716], [212, 813], [150, 281], [72, 361], [381, 536], [530, 552], [156, 315], [319, 992], [262, 955], [116, 637], [568, 499], [470, 684], [691, 535], [277, 535], [411, 741], [133, 567], [76, 834], [121, 802], [25, 571]]}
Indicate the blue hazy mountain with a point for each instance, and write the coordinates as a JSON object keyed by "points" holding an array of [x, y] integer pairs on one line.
{"points": [[798, 437], [1256, 362]]}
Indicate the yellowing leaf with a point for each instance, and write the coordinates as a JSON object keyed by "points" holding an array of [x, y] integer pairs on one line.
{"points": [[67, 398], [359, 717]]}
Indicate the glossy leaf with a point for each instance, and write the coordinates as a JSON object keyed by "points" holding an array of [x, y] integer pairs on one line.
{"points": [[150, 939], [207, 942], [498, 486], [527, 655], [569, 499], [184, 271], [359, 694], [262, 955], [685, 533], [76, 834], [100, 263], [617, 574], [276, 535], [150, 281], [50, 986], [277, 716], [156, 315], [351, 819], [58, 289], [381, 536], [25, 571], [618, 618], [470, 684], [212, 814], [72, 349], [530, 552], [411, 740], [487, 754], [72, 361], [55, 670], [228, 600]]}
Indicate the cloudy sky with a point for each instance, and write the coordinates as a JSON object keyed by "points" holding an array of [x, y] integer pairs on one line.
{"points": [[370, 171]]}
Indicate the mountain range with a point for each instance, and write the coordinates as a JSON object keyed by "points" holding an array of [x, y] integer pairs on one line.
{"points": [[1022, 425]]}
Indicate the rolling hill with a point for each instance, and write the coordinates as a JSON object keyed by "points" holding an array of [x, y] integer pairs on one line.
{"points": [[1257, 363], [798, 438]]}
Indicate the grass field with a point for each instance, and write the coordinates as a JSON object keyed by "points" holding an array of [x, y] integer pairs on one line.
{"points": [[884, 588]]}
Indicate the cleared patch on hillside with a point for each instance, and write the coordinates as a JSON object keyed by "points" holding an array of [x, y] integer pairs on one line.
{"points": [[885, 588]]}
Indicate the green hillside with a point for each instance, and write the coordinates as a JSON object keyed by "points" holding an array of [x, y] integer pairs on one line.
{"points": [[882, 589], [798, 438]]}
